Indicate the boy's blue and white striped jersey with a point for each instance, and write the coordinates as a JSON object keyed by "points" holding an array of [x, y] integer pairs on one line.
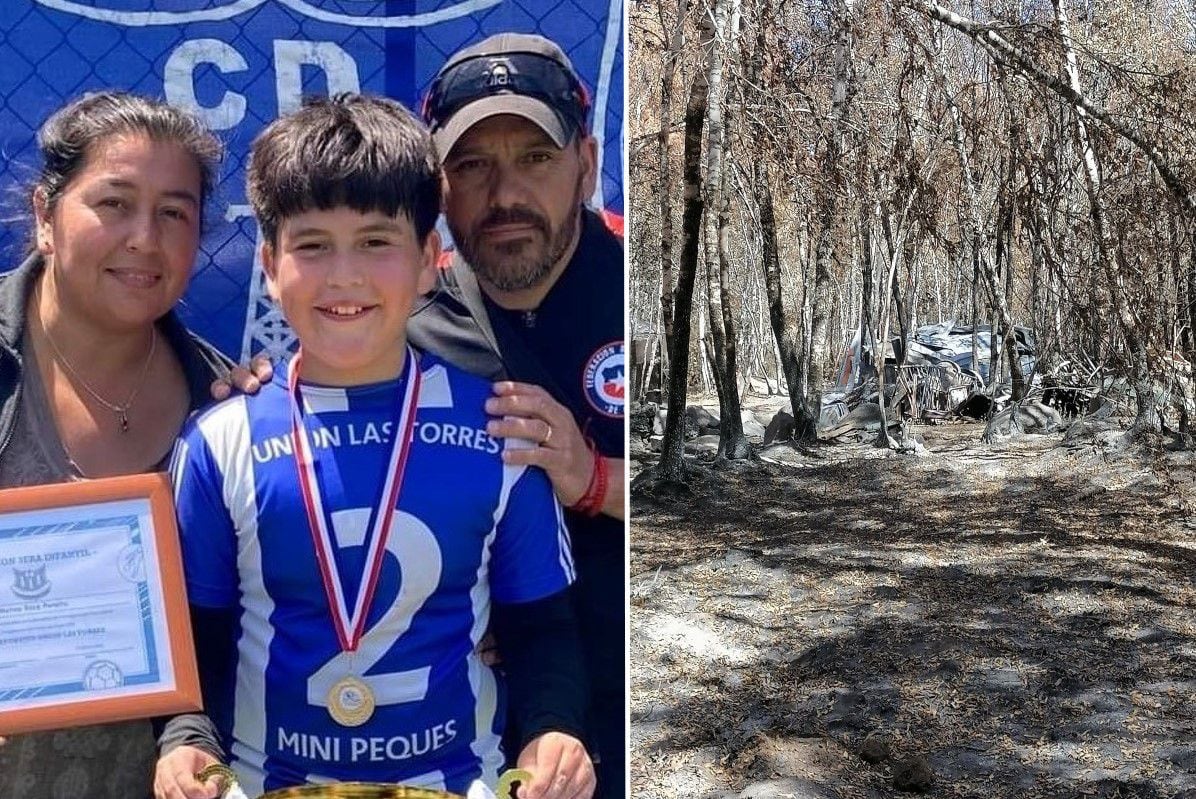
{"points": [[468, 529]]}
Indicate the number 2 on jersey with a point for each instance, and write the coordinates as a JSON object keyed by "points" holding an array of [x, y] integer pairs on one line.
{"points": [[420, 567]]}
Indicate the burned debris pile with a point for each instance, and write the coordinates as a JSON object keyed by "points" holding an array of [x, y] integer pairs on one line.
{"points": [[946, 373]]}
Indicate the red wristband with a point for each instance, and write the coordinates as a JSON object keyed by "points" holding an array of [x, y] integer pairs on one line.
{"points": [[592, 500]]}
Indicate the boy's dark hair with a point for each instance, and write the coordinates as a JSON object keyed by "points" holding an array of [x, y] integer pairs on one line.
{"points": [[69, 135], [363, 152]]}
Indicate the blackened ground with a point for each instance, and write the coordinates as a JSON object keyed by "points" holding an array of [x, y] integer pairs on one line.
{"points": [[1016, 620]]}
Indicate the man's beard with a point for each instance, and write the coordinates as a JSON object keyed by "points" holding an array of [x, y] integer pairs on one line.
{"points": [[523, 263]]}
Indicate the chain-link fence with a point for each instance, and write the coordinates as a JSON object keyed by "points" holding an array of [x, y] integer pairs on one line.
{"points": [[237, 64]]}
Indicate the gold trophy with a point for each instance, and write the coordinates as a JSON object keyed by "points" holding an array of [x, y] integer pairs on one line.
{"points": [[357, 790]]}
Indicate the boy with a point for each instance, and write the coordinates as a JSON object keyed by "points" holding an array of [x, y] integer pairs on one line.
{"points": [[345, 530]]}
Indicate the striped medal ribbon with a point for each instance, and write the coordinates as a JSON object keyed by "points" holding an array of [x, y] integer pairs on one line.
{"points": [[351, 702]]}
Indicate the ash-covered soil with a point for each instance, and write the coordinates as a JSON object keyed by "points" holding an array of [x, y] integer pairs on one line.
{"points": [[1015, 620]]}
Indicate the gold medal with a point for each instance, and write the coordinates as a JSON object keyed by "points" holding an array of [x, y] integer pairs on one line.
{"points": [[350, 702], [509, 779]]}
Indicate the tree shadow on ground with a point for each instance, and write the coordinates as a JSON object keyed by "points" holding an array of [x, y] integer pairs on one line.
{"points": [[1028, 636]]}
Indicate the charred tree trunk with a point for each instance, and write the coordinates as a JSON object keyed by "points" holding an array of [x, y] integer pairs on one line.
{"points": [[976, 312], [732, 443], [866, 253], [717, 338], [1004, 265], [880, 348], [670, 467], [786, 332], [665, 188], [805, 424], [830, 192], [1187, 315]]}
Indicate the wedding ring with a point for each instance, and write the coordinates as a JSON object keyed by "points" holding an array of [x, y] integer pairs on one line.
{"points": [[547, 438]]}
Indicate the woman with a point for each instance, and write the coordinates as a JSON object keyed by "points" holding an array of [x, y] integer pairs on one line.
{"points": [[96, 373]]}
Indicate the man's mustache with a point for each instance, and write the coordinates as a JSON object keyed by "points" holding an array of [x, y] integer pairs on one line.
{"points": [[514, 216]]}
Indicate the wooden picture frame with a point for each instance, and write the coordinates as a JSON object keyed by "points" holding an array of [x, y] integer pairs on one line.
{"points": [[94, 624]]}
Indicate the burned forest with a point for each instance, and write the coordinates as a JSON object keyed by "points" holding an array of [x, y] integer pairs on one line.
{"points": [[913, 413]]}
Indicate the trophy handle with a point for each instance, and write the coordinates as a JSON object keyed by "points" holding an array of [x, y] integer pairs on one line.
{"points": [[506, 782], [227, 775]]}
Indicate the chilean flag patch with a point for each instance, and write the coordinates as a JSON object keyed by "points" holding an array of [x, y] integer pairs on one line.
{"points": [[604, 379]]}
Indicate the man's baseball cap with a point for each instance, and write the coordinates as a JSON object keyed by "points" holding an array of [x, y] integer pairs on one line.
{"points": [[510, 73]]}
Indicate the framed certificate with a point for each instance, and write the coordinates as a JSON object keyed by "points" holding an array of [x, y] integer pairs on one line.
{"points": [[94, 624]]}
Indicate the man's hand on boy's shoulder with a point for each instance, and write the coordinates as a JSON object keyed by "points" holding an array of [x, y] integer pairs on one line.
{"points": [[529, 412], [174, 776], [246, 379], [560, 768]]}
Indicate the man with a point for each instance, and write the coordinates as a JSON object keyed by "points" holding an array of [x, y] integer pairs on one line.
{"points": [[534, 299]]}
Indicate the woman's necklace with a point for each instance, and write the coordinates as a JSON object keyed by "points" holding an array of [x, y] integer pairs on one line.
{"points": [[121, 411]]}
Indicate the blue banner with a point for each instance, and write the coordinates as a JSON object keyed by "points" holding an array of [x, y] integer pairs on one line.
{"points": [[238, 64]]}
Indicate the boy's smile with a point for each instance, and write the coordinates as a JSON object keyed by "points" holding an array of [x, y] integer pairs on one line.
{"points": [[347, 311], [347, 282]]}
